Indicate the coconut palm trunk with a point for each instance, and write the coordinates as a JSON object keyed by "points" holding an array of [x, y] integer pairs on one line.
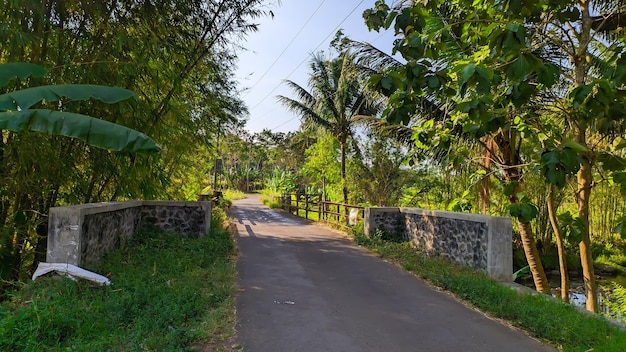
{"points": [[337, 98], [507, 144]]}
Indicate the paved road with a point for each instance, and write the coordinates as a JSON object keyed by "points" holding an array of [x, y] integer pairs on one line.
{"points": [[305, 288]]}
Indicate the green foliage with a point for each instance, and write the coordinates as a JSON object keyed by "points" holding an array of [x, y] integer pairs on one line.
{"points": [[16, 114], [281, 181], [173, 54], [461, 204], [218, 218], [621, 227], [224, 203], [616, 261], [573, 227], [271, 198], [26, 98], [519, 273], [377, 173], [616, 304], [234, 194], [382, 234], [20, 70], [322, 167], [169, 292], [524, 209], [95, 132], [559, 163]]}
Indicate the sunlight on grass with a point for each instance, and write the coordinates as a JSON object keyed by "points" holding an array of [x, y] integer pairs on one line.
{"points": [[169, 292], [233, 194], [270, 198]]}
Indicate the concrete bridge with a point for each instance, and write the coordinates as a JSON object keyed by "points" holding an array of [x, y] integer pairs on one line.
{"points": [[306, 288]]}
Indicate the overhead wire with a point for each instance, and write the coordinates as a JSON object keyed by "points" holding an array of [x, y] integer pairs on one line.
{"points": [[311, 53], [305, 59], [287, 47]]}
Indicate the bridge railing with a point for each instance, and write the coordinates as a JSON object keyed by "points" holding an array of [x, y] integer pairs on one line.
{"points": [[474, 240], [304, 205], [314, 207]]}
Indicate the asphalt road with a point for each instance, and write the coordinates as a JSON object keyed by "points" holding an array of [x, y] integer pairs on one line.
{"points": [[309, 289]]}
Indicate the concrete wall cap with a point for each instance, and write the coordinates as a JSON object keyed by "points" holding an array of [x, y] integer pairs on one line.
{"points": [[95, 208], [447, 214], [175, 203], [384, 209]]}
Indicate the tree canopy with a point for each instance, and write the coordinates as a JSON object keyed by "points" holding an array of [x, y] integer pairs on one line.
{"points": [[175, 59]]}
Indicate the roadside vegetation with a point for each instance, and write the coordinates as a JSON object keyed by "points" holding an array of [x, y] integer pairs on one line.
{"points": [[497, 107], [169, 292], [270, 198], [234, 194], [547, 319]]}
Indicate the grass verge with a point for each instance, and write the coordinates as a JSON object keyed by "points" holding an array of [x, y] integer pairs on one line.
{"points": [[270, 198], [234, 194], [557, 323], [169, 292]]}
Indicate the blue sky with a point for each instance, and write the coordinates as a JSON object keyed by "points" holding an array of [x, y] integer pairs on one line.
{"points": [[262, 77]]}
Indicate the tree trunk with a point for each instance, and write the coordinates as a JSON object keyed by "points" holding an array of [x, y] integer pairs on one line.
{"points": [[485, 181], [584, 176], [343, 177], [559, 245], [506, 143], [532, 257], [583, 194]]}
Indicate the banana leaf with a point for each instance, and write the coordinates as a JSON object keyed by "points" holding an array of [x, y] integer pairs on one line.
{"points": [[93, 131], [19, 70], [26, 98]]}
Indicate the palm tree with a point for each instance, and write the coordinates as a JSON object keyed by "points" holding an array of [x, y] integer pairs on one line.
{"points": [[335, 100]]}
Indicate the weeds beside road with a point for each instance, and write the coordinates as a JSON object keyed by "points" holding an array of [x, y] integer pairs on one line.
{"points": [[559, 324], [169, 292]]}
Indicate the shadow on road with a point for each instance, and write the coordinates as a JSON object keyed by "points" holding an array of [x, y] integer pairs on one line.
{"points": [[306, 288]]}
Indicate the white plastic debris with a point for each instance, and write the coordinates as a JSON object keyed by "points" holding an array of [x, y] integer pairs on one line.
{"points": [[71, 271]]}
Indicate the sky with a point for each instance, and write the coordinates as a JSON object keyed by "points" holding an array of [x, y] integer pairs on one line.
{"points": [[282, 47]]}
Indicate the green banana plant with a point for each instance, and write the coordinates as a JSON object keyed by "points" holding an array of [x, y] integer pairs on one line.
{"points": [[17, 115]]}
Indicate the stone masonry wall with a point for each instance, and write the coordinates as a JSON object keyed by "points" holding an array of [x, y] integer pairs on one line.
{"points": [[104, 232], [461, 241], [183, 219], [478, 241], [82, 234]]}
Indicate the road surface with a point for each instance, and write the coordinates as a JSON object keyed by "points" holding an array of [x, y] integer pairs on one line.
{"points": [[306, 288]]}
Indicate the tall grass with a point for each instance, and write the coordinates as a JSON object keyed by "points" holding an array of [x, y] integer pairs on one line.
{"points": [[169, 292], [234, 194], [270, 198]]}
